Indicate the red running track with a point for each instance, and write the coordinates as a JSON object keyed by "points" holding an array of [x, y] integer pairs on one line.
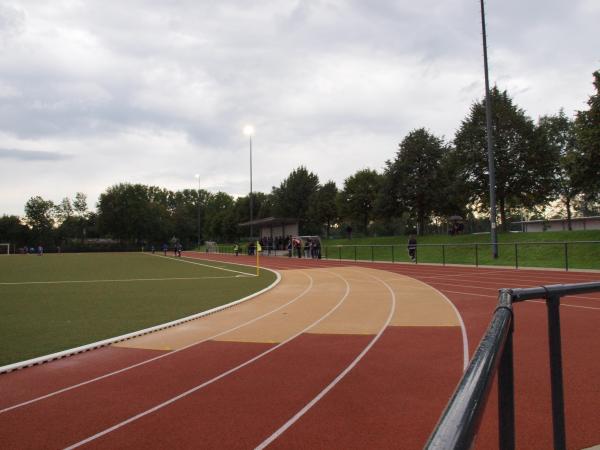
{"points": [[391, 399]]}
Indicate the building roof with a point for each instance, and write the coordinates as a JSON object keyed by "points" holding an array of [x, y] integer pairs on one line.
{"points": [[573, 219], [269, 221]]}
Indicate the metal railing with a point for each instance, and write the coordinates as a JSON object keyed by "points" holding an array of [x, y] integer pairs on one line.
{"points": [[561, 254], [459, 422]]}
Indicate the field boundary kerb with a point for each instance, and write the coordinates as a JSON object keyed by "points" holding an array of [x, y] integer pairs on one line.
{"points": [[133, 334]]}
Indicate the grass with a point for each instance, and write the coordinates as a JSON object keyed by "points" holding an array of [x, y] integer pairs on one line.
{"points": [[524, 249], [41, 318]]}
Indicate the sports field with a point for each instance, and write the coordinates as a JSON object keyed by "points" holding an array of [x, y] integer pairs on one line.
{"points": [[56, 302]]}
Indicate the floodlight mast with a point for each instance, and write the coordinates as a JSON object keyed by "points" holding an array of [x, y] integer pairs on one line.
{"points": [[199, 233], [249, 131], [490, 140]]}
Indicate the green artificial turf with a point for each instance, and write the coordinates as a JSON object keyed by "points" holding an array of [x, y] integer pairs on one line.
{"points": [[41, 318], [545, 249]]}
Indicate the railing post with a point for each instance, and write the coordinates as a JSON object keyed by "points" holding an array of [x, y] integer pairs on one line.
{"points": [[392, 254], [355, 257], [416, 254], [506, 396], [326, 252], [516, 256], [443, 255], [340, 252], [558, 402], [476, 255], [566, 257], [372, 254]]}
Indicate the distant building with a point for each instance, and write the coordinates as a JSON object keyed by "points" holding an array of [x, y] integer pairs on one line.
{"points": [[577, 223]]}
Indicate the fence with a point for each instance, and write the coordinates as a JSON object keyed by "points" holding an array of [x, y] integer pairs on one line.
{"points": [[566, 255], [459, 422]]}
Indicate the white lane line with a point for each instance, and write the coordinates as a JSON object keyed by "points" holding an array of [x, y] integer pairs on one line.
{"points": [[218, 377], [563, 304], [165, 355], [202, 264], [337, 379], [124, 280], [463, 328], [516, 275], [470, 293], [527, 301], [582, 297]]}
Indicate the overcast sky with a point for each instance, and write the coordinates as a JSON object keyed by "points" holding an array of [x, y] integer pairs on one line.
{"points": [[98, 92]]}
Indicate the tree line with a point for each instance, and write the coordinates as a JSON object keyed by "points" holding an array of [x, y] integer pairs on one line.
{"points": [[556, 159]]}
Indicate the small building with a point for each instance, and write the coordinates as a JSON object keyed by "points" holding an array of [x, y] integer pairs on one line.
{"points": [[577, 223], [273, 227]]}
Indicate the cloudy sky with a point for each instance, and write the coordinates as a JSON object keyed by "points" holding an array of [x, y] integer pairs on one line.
{"points": [[97, 92]]}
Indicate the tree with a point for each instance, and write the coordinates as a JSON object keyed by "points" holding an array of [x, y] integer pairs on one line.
{"points": [[559, 132], [39, 215], [64, 210], [323, 206], [219, 217], [587, 131], [292, 197], [80, 205], [357, 198], [524, 166], [414, 180], [134, 212], [12, 230]]}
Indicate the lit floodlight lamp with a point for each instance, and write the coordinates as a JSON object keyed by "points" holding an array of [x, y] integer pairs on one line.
{"points": [[249, 130]]}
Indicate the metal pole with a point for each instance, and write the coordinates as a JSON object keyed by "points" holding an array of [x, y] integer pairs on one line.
{"points": [[516, 256], [199, 213], [251, 206], [558, 403], [443, 255], [506, 396], [566, 257], [392, 254], [476, 255], [490, 141]]}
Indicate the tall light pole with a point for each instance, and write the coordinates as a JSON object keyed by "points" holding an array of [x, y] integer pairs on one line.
{"points": [[249, 131], [490, 141], [198, 177]]}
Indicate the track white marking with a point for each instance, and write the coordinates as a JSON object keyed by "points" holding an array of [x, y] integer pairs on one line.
{"points": [[125, 280], [172, 258], [470, 293], [165, 355], [563, 304], [527, 301], [337, 379], [212, 380]]}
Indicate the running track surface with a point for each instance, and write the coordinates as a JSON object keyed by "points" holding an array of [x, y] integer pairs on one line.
{"points": [[340, 355]]}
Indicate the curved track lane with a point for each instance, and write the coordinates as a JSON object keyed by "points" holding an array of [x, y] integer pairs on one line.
{"points": [[322, 361]]}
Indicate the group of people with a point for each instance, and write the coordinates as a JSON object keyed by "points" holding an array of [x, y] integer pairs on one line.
{"points": [[311, 248], [39, 250], [177, 248]]}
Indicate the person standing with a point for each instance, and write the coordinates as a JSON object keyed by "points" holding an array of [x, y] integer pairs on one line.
{"points": [[412, 247]]}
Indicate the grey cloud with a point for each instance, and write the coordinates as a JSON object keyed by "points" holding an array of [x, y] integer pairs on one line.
{"points": [[31, 155]]}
